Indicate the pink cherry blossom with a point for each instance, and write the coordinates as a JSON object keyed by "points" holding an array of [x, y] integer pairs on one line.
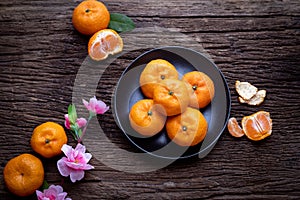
{"points": [[81, 122], [54, 192], [75, 162], [95, 106]]}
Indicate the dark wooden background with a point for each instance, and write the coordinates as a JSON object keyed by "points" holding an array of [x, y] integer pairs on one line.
{"points": [[256, 41]]}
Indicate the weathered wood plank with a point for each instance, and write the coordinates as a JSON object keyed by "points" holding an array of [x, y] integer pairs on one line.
{"points": [[170, 8]]}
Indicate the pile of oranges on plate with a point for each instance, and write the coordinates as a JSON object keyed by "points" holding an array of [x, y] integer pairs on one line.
{"points": [[172, 103]]}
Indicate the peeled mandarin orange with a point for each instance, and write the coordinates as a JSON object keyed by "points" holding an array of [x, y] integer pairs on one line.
{"points": [[23, 174], [257, 126], [202, 86], [90, 16], [172, 95], [188, 128], [234, 128], [103, 43], [48, 138], [145, 119], [154, 72]]}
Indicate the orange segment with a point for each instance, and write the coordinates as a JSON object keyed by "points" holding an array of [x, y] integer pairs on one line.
{"points": [[257, 126], [234, 128], [103, 43]]}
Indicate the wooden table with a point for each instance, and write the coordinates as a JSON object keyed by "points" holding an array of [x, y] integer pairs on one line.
{"points": [[256, 41]]}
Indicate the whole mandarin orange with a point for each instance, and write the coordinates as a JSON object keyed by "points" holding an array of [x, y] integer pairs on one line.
{"points": [[202, 86], [48, 138], [90, 16], [188, 128], [145, 119], [172, 95], [154, 72], [23, 174]]}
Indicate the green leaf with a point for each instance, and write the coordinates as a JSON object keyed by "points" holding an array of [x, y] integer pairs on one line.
{"points": [[79, 133], [72, 113], [45, 185], [120, 22]]}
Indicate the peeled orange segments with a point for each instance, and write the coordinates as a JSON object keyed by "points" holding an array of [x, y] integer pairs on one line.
{"points": [[145, 119], [103, 43], [234, 128], [257, 126]]}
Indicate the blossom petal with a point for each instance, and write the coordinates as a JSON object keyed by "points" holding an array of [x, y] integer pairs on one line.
{"points": [[88, 157], [80, 148], [76, 175], [53, 192], [85, 103], [57, 188], [67, 149], [67, 121], [61, 196], [39, 194], [101, 107], [81, 122], [63, 168], [74, 165], [93, 102], [88, 167], [50, 192]]}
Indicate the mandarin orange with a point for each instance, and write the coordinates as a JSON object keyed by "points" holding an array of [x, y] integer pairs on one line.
{"points": [[155, 72], [48, 138], [202, 86], [145, 119], [172, 95], [23, 174], [188, 128], [90, 16]]}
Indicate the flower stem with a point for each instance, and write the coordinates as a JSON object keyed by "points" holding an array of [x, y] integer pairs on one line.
{"points": [[76, 136], [62, 181], [84, 129]]}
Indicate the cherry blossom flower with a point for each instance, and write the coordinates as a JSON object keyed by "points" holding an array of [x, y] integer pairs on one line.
{"points": [[95, 106], [81, 122], [75, 162], [54, 192]]}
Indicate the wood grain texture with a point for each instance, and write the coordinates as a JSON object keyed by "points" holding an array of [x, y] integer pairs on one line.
{"points": [[42, 58]]}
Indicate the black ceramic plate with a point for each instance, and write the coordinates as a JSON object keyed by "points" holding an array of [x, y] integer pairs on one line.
{"points": [[185, 60]]}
